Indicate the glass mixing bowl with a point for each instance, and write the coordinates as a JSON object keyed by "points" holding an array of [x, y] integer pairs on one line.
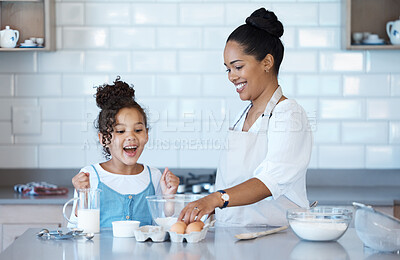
{"points": [[377, 230], [165, 209], [319, 223]]}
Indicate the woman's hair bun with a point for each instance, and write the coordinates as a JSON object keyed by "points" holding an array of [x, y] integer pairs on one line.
{"points": [[267, 21], [114, 96]]}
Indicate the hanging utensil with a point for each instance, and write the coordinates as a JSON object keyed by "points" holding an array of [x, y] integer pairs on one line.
{"points": [[314, 204]]}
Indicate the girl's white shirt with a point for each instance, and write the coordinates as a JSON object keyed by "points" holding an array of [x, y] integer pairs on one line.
{"points": [[124, 184], [289, 150]]}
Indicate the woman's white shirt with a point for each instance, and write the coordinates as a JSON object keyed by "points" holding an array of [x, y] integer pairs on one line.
{"points": [[289, 150]]}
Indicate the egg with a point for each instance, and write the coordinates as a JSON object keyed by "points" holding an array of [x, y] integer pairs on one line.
{"points": [[179, 227], [194, 227]]}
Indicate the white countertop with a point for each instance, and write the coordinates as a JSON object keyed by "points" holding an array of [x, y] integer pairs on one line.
{"points": [[219, 243]]}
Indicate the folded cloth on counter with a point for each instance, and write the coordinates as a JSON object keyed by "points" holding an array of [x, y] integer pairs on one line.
{"points": [[40, 188]]}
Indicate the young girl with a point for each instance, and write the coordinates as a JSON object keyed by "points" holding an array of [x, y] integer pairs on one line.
{"points": [[123, 133]]}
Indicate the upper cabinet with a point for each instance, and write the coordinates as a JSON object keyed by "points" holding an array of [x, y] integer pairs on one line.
{"points": [[33, 19], [369, 16]]}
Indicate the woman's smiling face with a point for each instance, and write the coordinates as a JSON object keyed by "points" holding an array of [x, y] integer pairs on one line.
{"points": [[129, 137], [244, 71]]}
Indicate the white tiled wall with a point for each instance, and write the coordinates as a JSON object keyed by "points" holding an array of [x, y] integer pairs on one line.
{"points": [[172, 52]]}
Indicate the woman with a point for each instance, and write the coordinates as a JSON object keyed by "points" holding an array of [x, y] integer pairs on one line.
{"points": [[263, 169]]}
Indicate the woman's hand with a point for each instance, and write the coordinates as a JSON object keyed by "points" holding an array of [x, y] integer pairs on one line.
{"points": [[169, 182], [81, 181], [195, 210]]}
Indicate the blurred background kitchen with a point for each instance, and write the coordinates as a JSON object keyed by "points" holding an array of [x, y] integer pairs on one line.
{"points": [[172, 51]]}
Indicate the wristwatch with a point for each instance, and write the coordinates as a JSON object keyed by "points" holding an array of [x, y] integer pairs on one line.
{"points": [[224, 197]]}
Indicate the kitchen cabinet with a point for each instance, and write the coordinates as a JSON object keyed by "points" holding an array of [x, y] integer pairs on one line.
{"points": [[16, 219], [368, 16], [32, 18]]}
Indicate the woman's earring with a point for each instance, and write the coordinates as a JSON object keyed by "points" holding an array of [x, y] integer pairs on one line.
{"points": [[266, 70]]}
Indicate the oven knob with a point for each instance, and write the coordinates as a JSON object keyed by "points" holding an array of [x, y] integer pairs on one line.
{"points": [[181, 188], [196, 188]]}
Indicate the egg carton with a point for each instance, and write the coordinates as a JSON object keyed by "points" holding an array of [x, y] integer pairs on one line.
{"points": [[193, 237], [155, 233]]}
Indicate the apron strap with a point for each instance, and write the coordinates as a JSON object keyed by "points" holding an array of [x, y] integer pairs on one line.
{"points": [[151, 181], [270, 108], [98, 177], [240, 118]]}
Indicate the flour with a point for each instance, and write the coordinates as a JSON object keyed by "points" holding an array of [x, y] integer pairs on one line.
{"points": [[319, 231], [166, 223]]}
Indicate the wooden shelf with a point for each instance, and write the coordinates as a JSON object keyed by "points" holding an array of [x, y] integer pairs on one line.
{"points": [[374, 47], [34, 18], [369, 16]]}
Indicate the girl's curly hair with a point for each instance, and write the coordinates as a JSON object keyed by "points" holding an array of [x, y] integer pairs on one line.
{"points": [[110, 99]]}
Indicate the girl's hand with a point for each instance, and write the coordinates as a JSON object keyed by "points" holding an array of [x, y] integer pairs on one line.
{"points": [[195, 210], [169, 182], [81, 181]]}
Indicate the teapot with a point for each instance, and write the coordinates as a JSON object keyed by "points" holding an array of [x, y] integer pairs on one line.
{"points": [[8, 38], [393, 31]]}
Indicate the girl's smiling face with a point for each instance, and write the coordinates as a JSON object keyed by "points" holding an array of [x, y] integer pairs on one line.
{"points": [[129, 137], [244, 71]]}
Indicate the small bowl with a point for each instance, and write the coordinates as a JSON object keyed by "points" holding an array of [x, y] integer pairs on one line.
{"points": [[377, 230], [357, 37], [125, 228], [29, 42], [319, 223], [165, 209]]}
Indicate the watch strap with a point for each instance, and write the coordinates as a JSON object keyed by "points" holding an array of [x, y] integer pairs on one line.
{"points": [[226, 202]]}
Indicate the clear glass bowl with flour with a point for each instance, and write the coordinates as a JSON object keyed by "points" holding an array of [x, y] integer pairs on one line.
{"points": [[319, 223], [165, 209]]}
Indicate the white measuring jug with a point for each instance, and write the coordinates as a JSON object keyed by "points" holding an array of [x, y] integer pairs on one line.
{"points": [[88, 210]]}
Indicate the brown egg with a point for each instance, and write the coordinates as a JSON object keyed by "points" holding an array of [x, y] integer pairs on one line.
{"points": [[179, 227], [194, 227]]}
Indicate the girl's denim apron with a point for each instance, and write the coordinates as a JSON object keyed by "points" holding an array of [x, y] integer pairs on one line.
{"points": [[115, 206]]}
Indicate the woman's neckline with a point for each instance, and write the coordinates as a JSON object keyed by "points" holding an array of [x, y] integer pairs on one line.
{"points": [[281, 100]]}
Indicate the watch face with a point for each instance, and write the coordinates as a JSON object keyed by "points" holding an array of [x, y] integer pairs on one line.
{"points": [[225, 197]]}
